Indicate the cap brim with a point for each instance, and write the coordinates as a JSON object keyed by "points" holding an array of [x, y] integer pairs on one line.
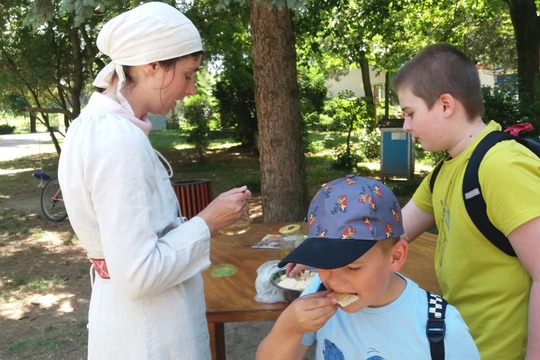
{"points": [[324, 253]]}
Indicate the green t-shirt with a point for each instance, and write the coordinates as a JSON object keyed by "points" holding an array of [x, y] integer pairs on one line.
{"points": [[489, 288]]}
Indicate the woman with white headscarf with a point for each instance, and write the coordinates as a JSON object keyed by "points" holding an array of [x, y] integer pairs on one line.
{"points": [[148, 297]]}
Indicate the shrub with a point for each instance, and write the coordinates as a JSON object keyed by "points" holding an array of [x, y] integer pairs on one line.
{"points": [[6, 129], [501, 106], [197, 110]]}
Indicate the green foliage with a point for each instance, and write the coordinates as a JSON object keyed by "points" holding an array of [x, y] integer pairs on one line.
{"points": [[313, 91], [348, 157], [197, 111], [369, 143], [40, 66], [291, 4], [224, 26], [428, 157], [502, 105], [6, 129], [530, 112], [349, 114], [15, 103], [339, 112], [404, 188], [234, 91]]}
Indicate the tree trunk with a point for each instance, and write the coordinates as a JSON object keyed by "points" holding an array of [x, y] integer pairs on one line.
{"points": [[283, 172], [78, 74], [387, 87], [33, 127], [366, 81], [526, 29]]}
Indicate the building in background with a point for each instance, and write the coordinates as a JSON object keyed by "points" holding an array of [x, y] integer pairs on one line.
{"points": [[353, 81]]}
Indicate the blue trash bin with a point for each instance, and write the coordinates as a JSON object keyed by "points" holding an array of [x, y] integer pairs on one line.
{"points": [[397, 150]]}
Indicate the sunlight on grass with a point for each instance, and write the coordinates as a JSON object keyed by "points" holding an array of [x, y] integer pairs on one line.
{"points": [[169, 139], [13, 222], [15, 171], [39, 284], [47, 343], [42, 284], [48, 340], [214, 145], [182, 147], [69, 240], [224, 144], [38, 236]]}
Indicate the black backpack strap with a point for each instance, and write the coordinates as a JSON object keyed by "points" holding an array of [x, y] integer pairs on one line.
{"points": [[436, 327], [472, 193], [434, 174]]}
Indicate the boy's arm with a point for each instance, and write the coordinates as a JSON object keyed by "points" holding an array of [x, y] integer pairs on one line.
{"points": [[525, 240], [305, 315], [415, 221], [281, 345]]}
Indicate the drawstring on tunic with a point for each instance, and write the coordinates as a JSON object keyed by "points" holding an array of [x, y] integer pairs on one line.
{"points": [[99, 266]]}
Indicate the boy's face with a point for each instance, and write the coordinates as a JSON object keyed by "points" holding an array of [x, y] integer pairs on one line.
{"points": [[425, 125], [368, 278]]}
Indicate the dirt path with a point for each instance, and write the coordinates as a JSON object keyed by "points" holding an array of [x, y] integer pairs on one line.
{"points": [[14, 146]]}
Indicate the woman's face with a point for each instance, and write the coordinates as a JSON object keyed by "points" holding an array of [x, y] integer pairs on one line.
{"points": [[174, 83]]}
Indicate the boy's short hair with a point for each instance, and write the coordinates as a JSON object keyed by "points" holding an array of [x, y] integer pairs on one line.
{"points": [[442, 68], [346, 218]]}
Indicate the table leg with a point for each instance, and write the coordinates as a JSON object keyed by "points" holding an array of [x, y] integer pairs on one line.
{"points": [[217, 340]]}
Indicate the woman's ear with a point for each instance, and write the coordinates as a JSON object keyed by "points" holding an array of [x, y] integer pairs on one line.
{"points": [[399, 255], [150, 69]]}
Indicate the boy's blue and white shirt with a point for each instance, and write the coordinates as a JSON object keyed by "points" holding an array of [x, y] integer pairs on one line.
{"points": [[394, 331]]}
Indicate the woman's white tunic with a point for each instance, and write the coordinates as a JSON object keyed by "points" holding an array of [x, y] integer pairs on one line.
{"points": [[122, 207]]}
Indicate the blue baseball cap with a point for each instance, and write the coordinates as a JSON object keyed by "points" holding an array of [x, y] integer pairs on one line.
{"points": [[346, 218]]}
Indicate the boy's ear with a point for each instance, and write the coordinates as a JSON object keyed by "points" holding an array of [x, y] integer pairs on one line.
{"points": [[399, 255], [448, 103]]}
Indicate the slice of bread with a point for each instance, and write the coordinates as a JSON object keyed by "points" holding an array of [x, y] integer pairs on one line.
{"points": [[344, 299]]}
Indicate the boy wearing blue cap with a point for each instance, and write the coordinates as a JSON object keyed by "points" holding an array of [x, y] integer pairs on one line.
{"points": [[354, 243]]}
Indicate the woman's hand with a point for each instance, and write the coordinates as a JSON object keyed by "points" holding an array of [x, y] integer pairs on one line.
{"points": [[226, 209]]}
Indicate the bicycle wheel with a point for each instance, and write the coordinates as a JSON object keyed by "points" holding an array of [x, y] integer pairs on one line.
{"points": [[52, 202]]}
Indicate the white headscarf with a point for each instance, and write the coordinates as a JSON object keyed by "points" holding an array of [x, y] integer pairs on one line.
{"points": [[150, 32]]}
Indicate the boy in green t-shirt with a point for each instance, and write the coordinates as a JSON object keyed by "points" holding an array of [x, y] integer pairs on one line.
{"points": [[498, 295]]}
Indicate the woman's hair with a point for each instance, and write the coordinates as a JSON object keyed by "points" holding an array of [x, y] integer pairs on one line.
{"points": [[442, 68], [167, 64]]}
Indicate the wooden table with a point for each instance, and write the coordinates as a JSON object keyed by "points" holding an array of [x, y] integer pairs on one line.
{"points": [[230, 299]]}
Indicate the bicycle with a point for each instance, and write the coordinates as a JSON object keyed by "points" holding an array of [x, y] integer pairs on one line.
{"points": [[52, 202]]}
